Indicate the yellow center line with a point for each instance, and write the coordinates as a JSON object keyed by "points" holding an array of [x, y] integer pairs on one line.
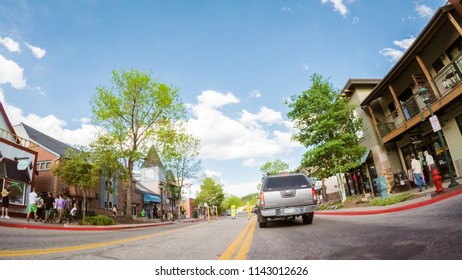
{"points": [[16, 253], [240, 243], [241, 255]]}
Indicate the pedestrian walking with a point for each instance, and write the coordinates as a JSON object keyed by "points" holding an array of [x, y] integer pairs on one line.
{"points": [[72, 214], [114, 211], [32, 208], [430, 161], [6, 201], [40, 208], [60, 204], [417, 172], [49, 204], [67, 206]]}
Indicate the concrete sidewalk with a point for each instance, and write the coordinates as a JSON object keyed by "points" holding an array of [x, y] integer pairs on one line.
{"points": [[426, 197]]}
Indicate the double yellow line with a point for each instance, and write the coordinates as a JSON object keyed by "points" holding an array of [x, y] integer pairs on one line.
{"points": [[44, 251], [240, 247]]}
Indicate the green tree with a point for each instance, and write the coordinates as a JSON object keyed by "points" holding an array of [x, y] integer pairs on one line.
{"points": [[180, 152], [211, 193], [76, 170], [131, 112], [274, 167], [232, 200], [107, 160], [327, 128]]}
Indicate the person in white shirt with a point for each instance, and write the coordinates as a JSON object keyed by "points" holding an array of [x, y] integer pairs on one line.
{"points": [[416, 172], [32, 205], [430, 161], [72, 214], [114, 211]]}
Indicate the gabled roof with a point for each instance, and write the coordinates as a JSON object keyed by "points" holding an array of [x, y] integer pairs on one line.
{"points": [[46, 141], [152, 159], [7, 121], [410, 53]]}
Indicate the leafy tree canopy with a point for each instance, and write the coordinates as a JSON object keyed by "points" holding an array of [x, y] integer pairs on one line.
{"points": [[131, 111], [327, 128], [210, 193], [274, 167], [232, 200]]}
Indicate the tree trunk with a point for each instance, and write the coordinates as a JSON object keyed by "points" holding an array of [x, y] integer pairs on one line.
{"points": [[84, 206], [324, 190], [341, 186], [128, 202]]}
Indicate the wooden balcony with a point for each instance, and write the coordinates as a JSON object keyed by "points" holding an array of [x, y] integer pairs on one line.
{"points": [[447, 83], [4, 134]]}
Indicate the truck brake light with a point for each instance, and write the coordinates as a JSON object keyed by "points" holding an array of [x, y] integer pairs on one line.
{"points": [[262, 200]]}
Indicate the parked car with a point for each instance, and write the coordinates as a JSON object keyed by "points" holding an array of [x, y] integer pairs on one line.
{"points": [[286, 196]]}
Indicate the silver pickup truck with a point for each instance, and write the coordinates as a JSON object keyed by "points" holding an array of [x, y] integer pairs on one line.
{"points": [[286, 196]]}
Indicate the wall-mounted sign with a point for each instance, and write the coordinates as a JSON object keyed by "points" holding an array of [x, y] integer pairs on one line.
{"points": [[22, 165]]}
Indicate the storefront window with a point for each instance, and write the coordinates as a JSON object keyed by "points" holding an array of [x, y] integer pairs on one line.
{"points": [[17, 194]]}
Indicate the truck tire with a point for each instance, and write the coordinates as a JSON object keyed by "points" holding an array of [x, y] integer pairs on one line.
{"points": [[262, 222], [308, 218]]}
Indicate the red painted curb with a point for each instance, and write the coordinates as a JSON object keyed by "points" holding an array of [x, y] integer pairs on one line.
{"points": [[80, 228], [390, 210]]}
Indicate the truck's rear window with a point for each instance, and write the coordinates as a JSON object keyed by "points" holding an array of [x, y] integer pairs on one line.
{"points": [[286, 182]]}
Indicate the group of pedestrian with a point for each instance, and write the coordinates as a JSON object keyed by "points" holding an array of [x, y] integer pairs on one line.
{"points": [[417, 171], [48, 209]]}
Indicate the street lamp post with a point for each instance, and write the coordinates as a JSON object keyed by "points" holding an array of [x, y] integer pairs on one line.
{"points": [[423, 92], [161, 187]]}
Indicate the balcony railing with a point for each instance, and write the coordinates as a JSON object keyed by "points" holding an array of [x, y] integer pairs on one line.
{"points": [[447, 79], [450, 76], [4, 134]]}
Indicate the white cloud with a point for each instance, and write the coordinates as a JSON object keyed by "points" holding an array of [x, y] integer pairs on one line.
{"points": [[12, 73], [265, 115], [242, 189], [423, 10], [395, 54], [213, 99], [224, 138], [38, 52], [255, 93], [50, 125], [251, 162], [404, 44], [288, 9], [10, 44], [339, 6], [37, 89]]}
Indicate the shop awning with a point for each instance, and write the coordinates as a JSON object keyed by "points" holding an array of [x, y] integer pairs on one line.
{"points": [[365, 156], [148, 198], [9, 169], [148, 195]]}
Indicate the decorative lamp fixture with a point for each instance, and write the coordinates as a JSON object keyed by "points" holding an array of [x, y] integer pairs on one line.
{"points": [[423, 92]]}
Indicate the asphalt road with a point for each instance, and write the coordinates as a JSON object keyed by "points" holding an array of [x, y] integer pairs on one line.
{"points": [[430, 232]]}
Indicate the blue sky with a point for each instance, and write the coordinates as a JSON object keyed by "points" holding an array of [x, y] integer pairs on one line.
{"points": [[234, 63]]}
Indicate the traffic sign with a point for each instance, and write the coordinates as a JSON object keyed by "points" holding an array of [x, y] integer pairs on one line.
{"points": [[435, 123]]}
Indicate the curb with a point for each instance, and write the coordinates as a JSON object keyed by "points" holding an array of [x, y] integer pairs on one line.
{"points": [[393, 209], [87, 228], [80, 228]]}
